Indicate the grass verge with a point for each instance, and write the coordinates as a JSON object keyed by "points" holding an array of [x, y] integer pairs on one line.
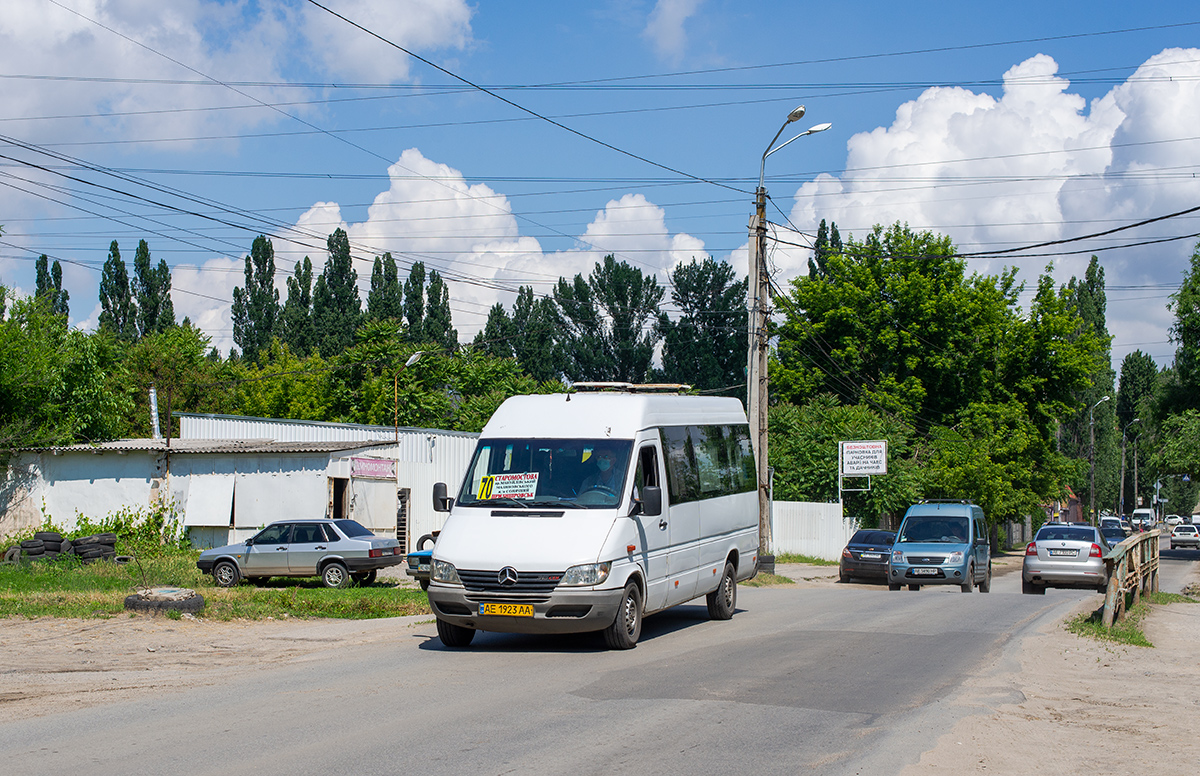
{"points": [[1129, 630], [792, 557], [763, 579], [68, 588]]}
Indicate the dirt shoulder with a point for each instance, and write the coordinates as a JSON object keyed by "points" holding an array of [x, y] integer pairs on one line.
{"points": [[1066, 704], [53, 665]]}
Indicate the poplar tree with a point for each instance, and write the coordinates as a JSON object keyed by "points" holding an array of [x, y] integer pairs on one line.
{"points": [[152, 293], [49, 287], [386, 298], [296, 324], [118, 315], [337, 308], [414, 302], [256, 306], [439, 327]]}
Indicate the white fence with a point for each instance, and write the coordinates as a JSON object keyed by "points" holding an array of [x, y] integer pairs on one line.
{"points": [[806, 528]]}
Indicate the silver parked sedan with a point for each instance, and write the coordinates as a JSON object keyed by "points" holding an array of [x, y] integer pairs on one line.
{"points": [[1062, 555], [335, 550]]}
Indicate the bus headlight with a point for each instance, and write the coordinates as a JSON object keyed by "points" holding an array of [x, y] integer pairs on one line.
{"points": [[445, 572], [586, 574]]}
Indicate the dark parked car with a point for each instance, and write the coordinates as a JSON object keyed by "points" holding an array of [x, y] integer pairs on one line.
{"points": [[866, 555], [337, 551], [1113, 536]]}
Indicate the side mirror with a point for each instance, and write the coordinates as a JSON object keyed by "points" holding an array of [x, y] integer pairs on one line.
{"points": [[441, 502], [651, 501], [250, 541]]}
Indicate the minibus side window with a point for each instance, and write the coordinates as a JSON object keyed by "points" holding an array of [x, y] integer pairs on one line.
{"points": [[682, 479], [708, 450], [741, 459]]}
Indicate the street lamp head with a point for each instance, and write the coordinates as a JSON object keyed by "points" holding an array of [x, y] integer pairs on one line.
{"points": [[414, 358], [819, 128], [796, 114]]}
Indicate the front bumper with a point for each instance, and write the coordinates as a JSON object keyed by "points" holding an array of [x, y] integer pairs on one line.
{"points": [[905, 574], [560, 611]]}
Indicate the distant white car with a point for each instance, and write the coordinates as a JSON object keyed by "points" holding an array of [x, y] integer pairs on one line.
{"points": [[1185, 536], [1174, 519]]}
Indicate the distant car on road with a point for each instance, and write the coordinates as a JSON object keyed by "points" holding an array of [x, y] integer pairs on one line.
{"points": [[1113, 536], [866, 555], [1174, 519], [337, 551], [1185, 536], [942, 543], [1065, 556]]}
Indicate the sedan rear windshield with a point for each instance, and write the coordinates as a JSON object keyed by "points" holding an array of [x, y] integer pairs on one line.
{"points": [[1185, 529], [1066, 533], [873, 537], [352, 529]]}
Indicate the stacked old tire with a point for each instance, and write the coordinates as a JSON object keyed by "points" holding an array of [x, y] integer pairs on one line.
{"points": [[50, 545], [101, 546]]}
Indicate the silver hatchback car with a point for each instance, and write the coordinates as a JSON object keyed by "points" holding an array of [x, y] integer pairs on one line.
{"points": [[337, 551], [1063, 555]]}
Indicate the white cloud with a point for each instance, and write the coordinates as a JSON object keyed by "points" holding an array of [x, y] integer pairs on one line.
{"points": [[419, 25], [213, 280], [664, 27], [1036, 164]]}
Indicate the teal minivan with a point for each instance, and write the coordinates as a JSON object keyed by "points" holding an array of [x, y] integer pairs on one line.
{"points": [[942, 543]]}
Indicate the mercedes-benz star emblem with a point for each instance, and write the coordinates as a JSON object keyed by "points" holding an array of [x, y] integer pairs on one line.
{"points": [[507, 576]]}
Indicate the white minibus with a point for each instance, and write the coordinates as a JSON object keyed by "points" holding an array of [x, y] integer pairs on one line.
{"points": [[587, 511]]}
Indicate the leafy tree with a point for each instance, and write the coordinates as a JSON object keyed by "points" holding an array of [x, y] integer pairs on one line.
{"points": [[118, 315], [296, 323], [336, 305], [495, 338], [1185, 333], [438, 326], [706, 347], [174, 362], [1136, 399], [538, 349], [256, 306], [1089, 300], [386, 298], [828, 241], [804, 450], [608, 335], [152, 293], [49, 286], [414, 301]]}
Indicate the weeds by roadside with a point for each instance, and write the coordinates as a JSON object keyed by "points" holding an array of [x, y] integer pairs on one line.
{"points": [[1129, 630], [792, 557], [763, 579]]}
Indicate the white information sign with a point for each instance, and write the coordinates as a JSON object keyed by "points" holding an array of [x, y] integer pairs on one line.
{"points": [[862, 459], [522, 485]]}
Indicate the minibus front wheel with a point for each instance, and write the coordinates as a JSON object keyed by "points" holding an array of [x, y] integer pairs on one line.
{"points": [[626, 628]]}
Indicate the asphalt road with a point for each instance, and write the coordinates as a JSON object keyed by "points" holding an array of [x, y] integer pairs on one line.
{"points": [[833, 679]]}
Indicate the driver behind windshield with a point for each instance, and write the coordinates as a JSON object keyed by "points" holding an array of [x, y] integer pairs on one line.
{"points": [[606, 476]]}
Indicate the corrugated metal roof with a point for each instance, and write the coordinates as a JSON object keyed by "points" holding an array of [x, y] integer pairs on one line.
{"points": [[211, 446], [214, 426]]}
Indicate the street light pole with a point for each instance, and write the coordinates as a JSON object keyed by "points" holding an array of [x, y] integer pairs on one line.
{"points": [[1121, 498], [1092, 459], [758, 293]]}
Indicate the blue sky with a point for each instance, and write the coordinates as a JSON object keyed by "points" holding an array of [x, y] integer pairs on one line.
{"points": [[197, 125]]}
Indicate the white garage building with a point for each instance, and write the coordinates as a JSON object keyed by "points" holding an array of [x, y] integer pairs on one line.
{"points": [[228, 476]]}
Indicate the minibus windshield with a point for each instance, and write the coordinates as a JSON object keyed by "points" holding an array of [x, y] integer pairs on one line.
{"points": [[563, 473]]}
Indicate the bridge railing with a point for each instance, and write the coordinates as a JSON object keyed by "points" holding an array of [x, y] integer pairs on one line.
{"points": [[1132, 567]]}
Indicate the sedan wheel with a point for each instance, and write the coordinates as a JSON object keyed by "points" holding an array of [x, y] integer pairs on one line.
{"points": [[335, 575], [226, 574]]}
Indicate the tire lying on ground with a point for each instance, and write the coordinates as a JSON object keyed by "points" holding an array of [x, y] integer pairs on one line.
{"points": [[12, 554], [48, 536], [165, 599], [33, 545], [106, 538]]}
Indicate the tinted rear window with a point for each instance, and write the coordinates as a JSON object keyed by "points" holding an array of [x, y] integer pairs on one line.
{"points": [[872, 537], [352, 529], [1066, 533]]}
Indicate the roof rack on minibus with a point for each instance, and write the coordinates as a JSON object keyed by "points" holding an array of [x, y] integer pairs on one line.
{"points": [[631, 387], [944, 501]]}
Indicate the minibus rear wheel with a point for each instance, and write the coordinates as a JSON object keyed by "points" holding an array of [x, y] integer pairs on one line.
{"points": [[723, 601]]}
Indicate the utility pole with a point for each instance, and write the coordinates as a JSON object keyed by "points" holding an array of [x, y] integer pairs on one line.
{"points": [[758, 297], [1092, 459]]}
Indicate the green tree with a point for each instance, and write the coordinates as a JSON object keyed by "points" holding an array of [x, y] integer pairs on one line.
{"points": [[1136, 399], [118, 315], [538, 349], [439, 328], [336, 304], [828, 241], [608, 318], [495, 338], [706, 346], [386, 298], [414, 301], [151, 290], [256, 305], [1184, 393], [49, 286], [295, 320]]}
